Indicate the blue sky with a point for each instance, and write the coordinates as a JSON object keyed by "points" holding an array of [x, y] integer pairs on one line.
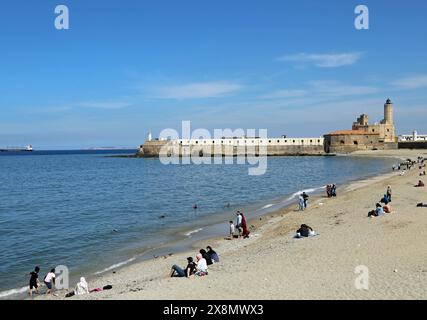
{"points": [[126, 67]]}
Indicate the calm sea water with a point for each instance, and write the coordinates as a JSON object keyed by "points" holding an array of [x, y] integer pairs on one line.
{"points": [[89, 212]]}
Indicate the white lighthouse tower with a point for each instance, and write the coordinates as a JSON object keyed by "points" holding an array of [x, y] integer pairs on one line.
{"points": [[150, 137]]}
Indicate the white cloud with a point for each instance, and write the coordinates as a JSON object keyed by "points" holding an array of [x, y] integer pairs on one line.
{"points": [[414, 82], [328, 60], [198, 90], [103, 104]]}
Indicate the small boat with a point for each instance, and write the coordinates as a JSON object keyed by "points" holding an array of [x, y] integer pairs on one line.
{"points": [[28, 148]]}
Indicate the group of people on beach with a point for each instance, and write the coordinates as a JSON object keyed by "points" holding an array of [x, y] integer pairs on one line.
{"points": [[379, 208], [331, 190], [35, 284], [240, 229], [204, 258], [81, 288]]}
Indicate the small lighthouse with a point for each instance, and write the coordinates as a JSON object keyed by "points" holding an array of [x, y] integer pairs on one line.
{"points": [[150, 137]]}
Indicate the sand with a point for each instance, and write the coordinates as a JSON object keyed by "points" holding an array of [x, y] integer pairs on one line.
{"points": [[271, 264]]}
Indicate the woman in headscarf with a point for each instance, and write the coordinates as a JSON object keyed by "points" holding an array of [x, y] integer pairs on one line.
{"points": [[246, 231], [82, 287]]}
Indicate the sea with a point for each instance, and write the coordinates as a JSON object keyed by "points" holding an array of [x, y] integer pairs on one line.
{"points": [[94, 211]]}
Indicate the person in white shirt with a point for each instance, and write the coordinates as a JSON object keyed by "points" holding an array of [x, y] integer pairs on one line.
{"points": [[82, 287], [48, 280], [239, 222], [202, 266], [232, 230]]}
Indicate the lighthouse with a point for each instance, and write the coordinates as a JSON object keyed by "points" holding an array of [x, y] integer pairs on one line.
{"points": [[388, 112]]}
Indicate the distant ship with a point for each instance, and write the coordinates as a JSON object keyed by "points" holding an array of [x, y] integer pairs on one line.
{"points": [[28, 148]]}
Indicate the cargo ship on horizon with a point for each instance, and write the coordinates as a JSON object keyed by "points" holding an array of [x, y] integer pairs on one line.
{"points": [[28, 148]]}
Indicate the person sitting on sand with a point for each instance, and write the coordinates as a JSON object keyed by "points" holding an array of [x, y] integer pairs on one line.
{"points": [[420, 184], [423, 173], [305, 231], [214, 256], [179, 272], [34, 281], [387, 207], [202, 266], [206, 256], [48, 280], [82, 287], [379, 211]]}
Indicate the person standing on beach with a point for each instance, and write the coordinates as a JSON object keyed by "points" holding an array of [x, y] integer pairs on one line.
{"points": [[48, 280], [245, 229], [239, 222], [389, 193], [305, 197], [34, 281], [232, 230], [301, 203]]}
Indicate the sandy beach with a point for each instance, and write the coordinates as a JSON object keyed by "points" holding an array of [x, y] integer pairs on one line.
{"points": [[271, 264]]}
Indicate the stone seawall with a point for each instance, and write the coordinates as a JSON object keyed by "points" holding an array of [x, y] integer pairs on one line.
{"points": [[413, 145], [153, 149]]}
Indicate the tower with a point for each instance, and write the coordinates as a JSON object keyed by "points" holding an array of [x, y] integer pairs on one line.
{"points": [[388, 112], [150, 137]]}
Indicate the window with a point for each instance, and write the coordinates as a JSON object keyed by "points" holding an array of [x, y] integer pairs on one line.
{"points": [[373, 130], [355, 143], [342, 142], [197, 142], [269, 141], [278, 141], [286, 141], [311, 141], [318, 141], [293, 141]]}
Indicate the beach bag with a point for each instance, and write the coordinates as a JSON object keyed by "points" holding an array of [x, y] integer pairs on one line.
{"points": [[107, 287]]}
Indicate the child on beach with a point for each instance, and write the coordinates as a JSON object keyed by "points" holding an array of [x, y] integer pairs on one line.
{"points": [[48, 280], [420, 184], [34, 281], [389, 193], [232, 230]]}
